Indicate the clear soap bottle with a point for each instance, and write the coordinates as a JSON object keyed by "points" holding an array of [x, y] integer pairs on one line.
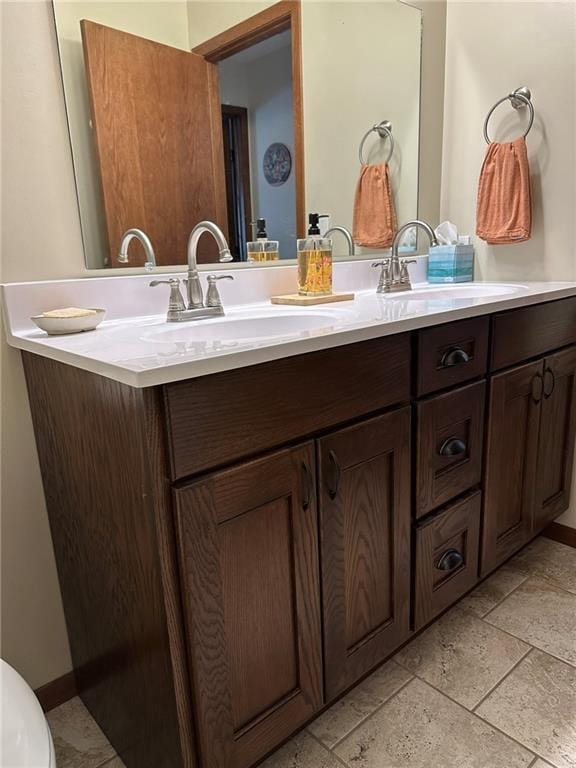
{"points": [[314, 261]]}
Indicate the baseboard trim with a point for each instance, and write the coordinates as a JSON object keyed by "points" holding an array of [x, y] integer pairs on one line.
{"points": [[56, 692], [561, 533]]}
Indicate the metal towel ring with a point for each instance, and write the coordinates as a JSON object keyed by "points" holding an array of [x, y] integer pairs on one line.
{"points": [[521, 97], [384, 130]]}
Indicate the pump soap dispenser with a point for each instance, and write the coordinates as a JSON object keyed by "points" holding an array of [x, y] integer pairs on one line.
{"points": [[314, 269], [262, 249]]}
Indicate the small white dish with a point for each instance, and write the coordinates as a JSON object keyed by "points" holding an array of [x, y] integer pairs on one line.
{"points": [[57, 326]]}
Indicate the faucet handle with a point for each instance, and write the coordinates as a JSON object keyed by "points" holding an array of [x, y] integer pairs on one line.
{"points": [[404, 274], [176, 303], [213, 297], [385, 275]]}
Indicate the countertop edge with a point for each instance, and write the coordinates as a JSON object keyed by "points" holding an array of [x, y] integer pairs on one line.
{"points": [[275, 351]]}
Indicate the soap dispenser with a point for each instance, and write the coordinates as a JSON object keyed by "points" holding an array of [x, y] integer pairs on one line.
{"points": [[314, 260], [260, 248]]}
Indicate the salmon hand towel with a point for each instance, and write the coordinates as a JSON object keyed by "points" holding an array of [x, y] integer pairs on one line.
{"points": [[504, 207], [374, 221]]}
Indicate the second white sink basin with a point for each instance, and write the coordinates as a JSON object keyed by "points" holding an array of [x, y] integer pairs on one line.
{"points": [[244, 329], [463, 291]]}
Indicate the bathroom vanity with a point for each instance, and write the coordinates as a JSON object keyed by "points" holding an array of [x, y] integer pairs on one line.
{"points": [[237, 549]]}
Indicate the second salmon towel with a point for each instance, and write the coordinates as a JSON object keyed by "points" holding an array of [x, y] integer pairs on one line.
{"points": [[504, 207]]}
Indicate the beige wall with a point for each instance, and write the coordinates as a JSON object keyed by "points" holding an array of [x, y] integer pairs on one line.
{"points": [[40, 239], [492, 48]]}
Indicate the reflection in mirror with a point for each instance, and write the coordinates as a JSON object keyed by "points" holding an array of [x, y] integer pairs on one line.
{"points": [[181, 111]]}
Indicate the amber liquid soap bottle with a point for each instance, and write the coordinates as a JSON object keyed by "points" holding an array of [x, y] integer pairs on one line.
{"points": [[314, 261]]}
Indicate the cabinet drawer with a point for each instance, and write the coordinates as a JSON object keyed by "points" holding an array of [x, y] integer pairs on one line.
{"points": [[450, 431], [523, 333], [446, 558], [451, 354], [215, 420]]}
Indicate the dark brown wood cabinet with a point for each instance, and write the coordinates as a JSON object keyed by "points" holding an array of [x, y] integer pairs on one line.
{"points": [[530, 452], [512, 453], [365, 535], [248, 551], [267, 549], [450, 436], [446, 564], [556, 439]]}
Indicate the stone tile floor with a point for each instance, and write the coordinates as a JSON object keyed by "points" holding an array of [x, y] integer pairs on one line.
{"points": [[492, 684]]}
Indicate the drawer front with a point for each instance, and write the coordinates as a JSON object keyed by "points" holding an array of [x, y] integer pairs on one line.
{"points": [[218, 419], [451, 354], [450, 437], [446, 558], [524, 333]]}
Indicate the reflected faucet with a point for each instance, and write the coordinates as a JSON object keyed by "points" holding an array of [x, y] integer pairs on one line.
{"points": [[196, 309], [347, 234], [139, 234], [395, 276]]}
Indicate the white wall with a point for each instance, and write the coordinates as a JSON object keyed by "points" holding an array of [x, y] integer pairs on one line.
{"points": [[491, 49]]}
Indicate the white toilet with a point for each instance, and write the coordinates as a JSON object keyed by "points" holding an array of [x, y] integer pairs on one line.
{"points": [[25, 739]]}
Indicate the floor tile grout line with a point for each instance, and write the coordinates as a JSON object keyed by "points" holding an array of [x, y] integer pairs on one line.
{"points": [[531, 644], [516, 588], [536, 576], [501, 600], [510, 671], [487, 722], [378, 708], [328, 749]]}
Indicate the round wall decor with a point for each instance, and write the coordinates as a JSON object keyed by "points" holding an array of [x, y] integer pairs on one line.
{"points": [[277, 164]]}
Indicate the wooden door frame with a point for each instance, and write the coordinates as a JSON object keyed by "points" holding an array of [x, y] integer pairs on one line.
{"points": [[281, 16]]}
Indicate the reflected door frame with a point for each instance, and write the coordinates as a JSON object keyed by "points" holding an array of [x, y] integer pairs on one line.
{"points": [[285, 15], [237, 170]]}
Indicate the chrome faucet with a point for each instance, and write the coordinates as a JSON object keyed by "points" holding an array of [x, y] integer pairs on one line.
{"points": [[197, 310], [394, 275], [146, 244], [195, 297], [347, 234]]}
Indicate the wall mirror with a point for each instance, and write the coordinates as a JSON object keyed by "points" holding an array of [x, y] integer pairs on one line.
{"points": [[181, 110]]}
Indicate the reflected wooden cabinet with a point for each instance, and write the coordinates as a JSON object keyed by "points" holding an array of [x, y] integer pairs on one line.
{"points": [[248, 553], [365, 535]]}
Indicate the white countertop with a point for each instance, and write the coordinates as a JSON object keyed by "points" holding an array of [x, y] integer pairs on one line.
{"points": [[144, 350]]}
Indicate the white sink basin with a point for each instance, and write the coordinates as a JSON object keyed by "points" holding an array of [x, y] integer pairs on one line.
{"points": [[464, 291], [244, 329]]}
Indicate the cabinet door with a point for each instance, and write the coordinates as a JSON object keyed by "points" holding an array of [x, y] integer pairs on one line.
{"points": [[248, 549], [556, 441], [365, 534], [511, 462]]}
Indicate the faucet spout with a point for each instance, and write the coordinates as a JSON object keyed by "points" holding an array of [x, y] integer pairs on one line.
{"points": [[399, 277], [347, 234], [139, 234], [195, 295]]}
